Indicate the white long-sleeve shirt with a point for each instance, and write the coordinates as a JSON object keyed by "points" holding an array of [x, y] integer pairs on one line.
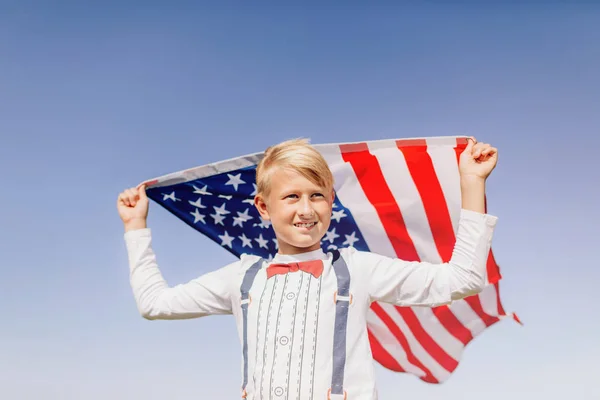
{"points": [[290, 321]]}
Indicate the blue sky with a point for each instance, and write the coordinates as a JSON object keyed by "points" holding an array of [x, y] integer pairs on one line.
{"points": [[94, 99]]}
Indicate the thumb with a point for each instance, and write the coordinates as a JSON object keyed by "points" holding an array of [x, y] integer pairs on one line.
{"points": [[142, 192], [470, 143]]}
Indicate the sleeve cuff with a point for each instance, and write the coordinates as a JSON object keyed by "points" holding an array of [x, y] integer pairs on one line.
{"points": [[137, 234], [490, 220]]}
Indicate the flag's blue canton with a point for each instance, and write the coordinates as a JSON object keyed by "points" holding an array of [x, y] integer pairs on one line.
{"points": [[222, 208]]}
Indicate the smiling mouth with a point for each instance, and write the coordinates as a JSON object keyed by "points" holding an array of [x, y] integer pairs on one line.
{"points": [[307, 226]]}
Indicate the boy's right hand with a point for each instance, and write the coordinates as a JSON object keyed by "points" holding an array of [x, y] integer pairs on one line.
{"points": [[132, 205]]}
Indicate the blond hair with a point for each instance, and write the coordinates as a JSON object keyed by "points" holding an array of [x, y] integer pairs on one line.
{"points": [[298, 155]]}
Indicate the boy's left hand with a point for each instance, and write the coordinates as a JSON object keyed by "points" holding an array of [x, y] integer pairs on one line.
{"points": [[477, 160]]}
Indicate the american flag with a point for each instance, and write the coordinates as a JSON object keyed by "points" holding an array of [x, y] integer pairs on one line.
{"points": [[400, 198]]}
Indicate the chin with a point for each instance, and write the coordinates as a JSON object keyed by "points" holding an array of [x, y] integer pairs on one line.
{"points": [[306, 244]]}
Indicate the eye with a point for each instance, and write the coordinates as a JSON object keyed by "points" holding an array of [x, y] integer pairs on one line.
{"points": [[291, 196], [318, 194]]}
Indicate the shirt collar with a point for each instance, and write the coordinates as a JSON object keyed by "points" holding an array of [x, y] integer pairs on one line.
{"points": [[310, 255]]}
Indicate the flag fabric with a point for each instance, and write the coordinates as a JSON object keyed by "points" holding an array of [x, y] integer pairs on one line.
{"points": [[399, 198]]}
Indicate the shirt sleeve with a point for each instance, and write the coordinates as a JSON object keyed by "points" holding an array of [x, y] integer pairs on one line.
{"points": [[404, 283], [206, 295]]}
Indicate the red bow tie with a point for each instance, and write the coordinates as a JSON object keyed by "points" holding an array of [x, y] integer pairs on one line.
{"points": [[314, 267]]}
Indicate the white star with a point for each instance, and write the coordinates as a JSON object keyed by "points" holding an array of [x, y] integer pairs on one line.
{"points": [[270, 258], [198, 216], [241, 218], [337, 215], [245, 241], [222, 196], [170, 196], [265, 224], [235, 180], [276, 244], [197, 203], [254, 192], [226, 240], [350, 239], [218, 218], [201, 191], [331, 235], [332, 247], [262, 242], [249, 201], [221, 210]]}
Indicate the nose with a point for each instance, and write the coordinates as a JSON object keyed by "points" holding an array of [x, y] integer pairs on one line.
{"points": [[305, 209]]}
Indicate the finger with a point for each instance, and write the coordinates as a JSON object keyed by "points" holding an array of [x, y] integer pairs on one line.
{"points": [[132, 196], [477, 150], [125, 199], [492, 153], [489, 150], [482, 147]]}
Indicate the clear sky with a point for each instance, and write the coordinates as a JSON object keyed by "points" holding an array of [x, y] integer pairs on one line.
{"points": [[94, 99]]}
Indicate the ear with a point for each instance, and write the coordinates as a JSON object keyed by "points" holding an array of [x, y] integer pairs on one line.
{"points": [[261, 206]]}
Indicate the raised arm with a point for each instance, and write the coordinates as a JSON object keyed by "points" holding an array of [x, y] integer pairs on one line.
{"points": [[206, 295], [420, 283]]}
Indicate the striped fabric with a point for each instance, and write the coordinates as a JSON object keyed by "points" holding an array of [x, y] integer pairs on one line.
{"points": [[398, 198]]}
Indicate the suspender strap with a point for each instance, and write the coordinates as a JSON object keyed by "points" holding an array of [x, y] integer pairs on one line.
{"points": [[342, 300], [245, 291]]}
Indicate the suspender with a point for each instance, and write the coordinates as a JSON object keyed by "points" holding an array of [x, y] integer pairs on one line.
{"points": [[245, 290], [342, 300]]}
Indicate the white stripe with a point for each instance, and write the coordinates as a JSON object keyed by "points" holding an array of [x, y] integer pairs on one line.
{"points": [[489, 300], [417, 349], [399, 181], [207, 170], [446, 169], [390, 343], [250, 160], [467, 317], [438, 332]]}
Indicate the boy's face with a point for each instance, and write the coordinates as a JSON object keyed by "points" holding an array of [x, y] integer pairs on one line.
{"points": [[299, 210]]}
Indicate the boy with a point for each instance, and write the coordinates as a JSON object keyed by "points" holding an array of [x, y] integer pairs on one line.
{"points": [[302, 316]]}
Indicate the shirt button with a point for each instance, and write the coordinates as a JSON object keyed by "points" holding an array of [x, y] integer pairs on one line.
{"points": [[284, 340], [290, 296], [278, 391]]}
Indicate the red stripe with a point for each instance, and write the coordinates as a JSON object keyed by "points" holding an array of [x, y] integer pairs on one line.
{"points": [[395, 330], [422, 171], [382, 356], [475, 303], [368, 171], [516, 318], [500, 308], [493, 270], [369, 174], [452, 324]]}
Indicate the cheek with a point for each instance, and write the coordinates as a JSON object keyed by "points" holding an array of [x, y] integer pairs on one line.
{"points": [[325, 212], [282, 214]]}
